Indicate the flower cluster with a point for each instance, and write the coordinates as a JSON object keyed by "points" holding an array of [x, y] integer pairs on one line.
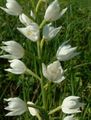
{"points": [[54, 71]]}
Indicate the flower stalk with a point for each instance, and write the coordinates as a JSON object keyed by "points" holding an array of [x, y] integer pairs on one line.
{"points": [[54, 110], [43, 92], [33, 74], [38, 116], [41, 45], [38, 49], [41, 81], [42, 24]]}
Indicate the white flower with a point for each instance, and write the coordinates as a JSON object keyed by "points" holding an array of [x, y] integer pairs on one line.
{"points": [[17, 67], [13, 8], [53, 72], [16, 106], [25, 20], [14, 49], [53, 11], [66, 52], [70, 117], [32, 32], [71, 105], [50, 32], [33, 111]]}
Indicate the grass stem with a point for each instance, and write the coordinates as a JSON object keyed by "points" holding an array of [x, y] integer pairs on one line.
{"points": [[38, 5]]}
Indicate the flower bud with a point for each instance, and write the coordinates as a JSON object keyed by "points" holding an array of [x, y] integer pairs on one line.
{"points": [[33, 111]]}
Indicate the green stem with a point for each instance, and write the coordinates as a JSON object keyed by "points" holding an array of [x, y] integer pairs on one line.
{"points": [[33, 74], [41, 81], [38, 116], [41, 45], [42, 24], [43, 92], [54, 110], [72, 78], [72, 83], [38, 49], [24, 95], [38, 5], [49, 96]]}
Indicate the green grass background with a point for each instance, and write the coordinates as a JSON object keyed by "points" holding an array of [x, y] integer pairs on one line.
{"points": [[76, 27]]}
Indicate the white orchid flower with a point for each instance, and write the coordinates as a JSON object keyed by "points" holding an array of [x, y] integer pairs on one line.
{"points": [[53, 11], [71, 105], [49, 32], [32, 32], [12, 8], [16, 67], [53, 72], [25, 19], [14, 49], [66, 52], [16, 106]]}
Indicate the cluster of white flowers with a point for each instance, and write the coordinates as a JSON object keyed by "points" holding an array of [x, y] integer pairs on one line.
{"points": [[70, 105], [54, 71]]}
